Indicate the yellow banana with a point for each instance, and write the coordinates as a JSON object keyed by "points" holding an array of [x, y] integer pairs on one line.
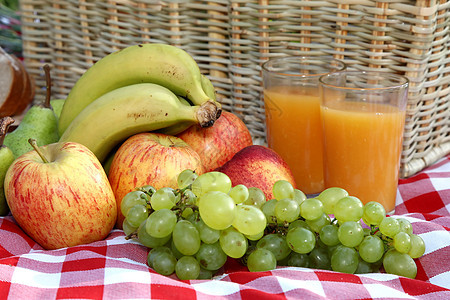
{"points": [[208, 87], [161, 64], [129, 110]]}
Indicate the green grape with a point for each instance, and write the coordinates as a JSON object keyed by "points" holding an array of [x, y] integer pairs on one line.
{"points": [[148, 240], [344, 259], [400, 264], [329, 197], [283, 262], [417, 246], [298, 260], [282, 189], [350, 233], [131, 199], [275, 243], [329, 235], [188, 197], [175, 251], [299, 223], [268, 208], [261, 260], [207, 234], [127, 228], [211, 256], [319, 259], [373, 213], [187, 212], [137, 214], [217, 209], [389, 226], [164, 263], [287, 210], [299, 196], [317, 224], [155, 252], [249, 220], [186, 178], [301, 240], [364, 267], [163, 198], [256, 197], [239, 193], [186, 237], [311, 209], [233, 243], [348, 209], [371, 249], [255, 237], [205, 274], [161, 223], [405, 225], [148, 189], [211, 181], [402, 242], [187, 268], [331, 249]]}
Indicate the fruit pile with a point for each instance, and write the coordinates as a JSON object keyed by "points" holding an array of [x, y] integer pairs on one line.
{"points": [[142, 144], [192, 230]]}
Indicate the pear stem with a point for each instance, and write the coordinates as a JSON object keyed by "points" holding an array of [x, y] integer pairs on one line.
{"points": [[4, 124], [48, 86], [33, 144]]}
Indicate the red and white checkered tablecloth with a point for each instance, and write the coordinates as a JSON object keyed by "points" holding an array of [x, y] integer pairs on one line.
{"points": [[116, 268]]}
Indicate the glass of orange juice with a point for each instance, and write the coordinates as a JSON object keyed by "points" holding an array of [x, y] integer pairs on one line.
{"points": [[292, 110], [363, 117]]}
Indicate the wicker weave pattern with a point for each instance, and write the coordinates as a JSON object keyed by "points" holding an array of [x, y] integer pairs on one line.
{"points": [[231, 39]]}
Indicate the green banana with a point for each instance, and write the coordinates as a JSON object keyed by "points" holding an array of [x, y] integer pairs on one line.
{"points": [[129, 110], [161, 64]]}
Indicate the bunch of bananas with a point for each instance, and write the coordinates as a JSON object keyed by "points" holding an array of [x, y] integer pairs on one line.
{"points": [[147, 87]]}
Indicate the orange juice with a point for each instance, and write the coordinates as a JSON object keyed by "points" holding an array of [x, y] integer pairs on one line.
{"points": [[363, 143], [294, 132]]}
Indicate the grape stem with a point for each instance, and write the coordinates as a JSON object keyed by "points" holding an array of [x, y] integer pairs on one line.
{"points": [[132, 235]]}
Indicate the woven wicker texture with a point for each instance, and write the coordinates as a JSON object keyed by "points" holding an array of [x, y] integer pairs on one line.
{"points": [[231, 39]]}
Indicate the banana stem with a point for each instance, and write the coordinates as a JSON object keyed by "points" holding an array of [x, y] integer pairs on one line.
{"points": [[208, 113], [33, 144]]}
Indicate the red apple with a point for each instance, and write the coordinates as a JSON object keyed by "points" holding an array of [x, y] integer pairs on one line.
{"points": [[60, 195], [150, 159], [257, 166], [217, 144]]}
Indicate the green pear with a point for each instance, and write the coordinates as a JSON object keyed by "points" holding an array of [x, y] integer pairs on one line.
{"points": [[57, 105], [39, 123], [6, 159]]}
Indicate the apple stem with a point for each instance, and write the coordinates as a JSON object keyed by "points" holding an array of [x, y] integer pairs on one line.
{"points": [[4, 124], [33, 144]]}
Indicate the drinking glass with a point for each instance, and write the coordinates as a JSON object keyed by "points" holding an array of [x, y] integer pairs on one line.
{"points": [[363, 117], [292, 110]]}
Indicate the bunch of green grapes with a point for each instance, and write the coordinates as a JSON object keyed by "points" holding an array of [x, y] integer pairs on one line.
{"points": [[193, 229]]}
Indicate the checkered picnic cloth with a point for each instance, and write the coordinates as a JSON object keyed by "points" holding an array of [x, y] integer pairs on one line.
{"points": [[116, 267]]}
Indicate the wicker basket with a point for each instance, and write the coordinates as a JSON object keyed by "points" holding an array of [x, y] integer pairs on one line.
{"points": [[230, 40]]}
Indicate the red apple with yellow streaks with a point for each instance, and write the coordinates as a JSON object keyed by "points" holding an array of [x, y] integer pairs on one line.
{"points": [[217, 144], [257, 166], [153, 159], [60, 195]]}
